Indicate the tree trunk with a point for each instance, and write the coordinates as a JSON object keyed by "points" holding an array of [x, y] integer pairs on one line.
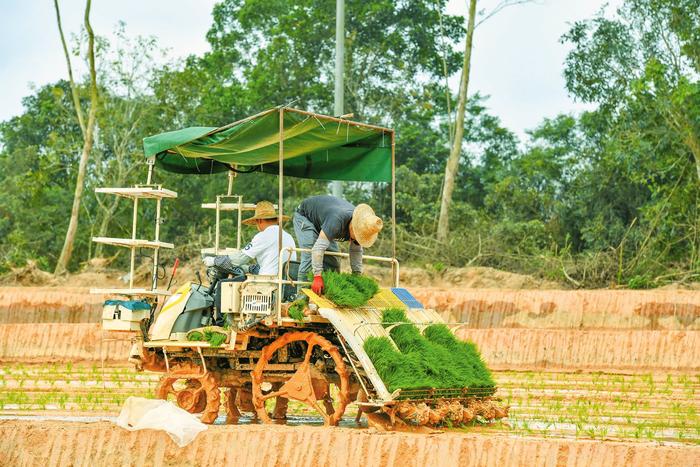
{"points": [[67, 251], [455, 153]]}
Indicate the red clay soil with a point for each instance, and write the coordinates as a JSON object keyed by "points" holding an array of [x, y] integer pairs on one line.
{"points": [[47, 342], [71, 443], [480, 308], [49, 305], [503, 349], [572, 309], [571, 350], [515, 329]]}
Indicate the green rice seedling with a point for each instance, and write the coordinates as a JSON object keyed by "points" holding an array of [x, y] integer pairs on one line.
{"points": [[397, 370], [419, 362], [465, 352], [347, 290], [62, 399], [195, 336], [366, 285], [436, 360], [214, 337], [296, 309]]}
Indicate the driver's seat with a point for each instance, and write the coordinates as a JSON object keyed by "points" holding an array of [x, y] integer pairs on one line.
{"points": [[290, 273]]}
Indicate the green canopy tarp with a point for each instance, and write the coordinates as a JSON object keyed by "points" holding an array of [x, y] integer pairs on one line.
{"points": [[313, 148]]}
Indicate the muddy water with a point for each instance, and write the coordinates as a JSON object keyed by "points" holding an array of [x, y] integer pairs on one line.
{"points": [[292, 420]]}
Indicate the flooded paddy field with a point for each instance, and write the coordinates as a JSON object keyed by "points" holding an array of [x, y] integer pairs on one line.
{"points": [[662, 407]]}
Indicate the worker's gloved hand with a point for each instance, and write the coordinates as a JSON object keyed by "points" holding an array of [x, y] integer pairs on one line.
{"points": [[317, 285], [209, 261]]}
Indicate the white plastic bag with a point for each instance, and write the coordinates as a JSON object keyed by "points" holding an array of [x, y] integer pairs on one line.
{"points": [[139, 413]]}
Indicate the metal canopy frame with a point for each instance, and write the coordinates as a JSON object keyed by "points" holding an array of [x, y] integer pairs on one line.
{"points": [[280, 201], [281, 110]]}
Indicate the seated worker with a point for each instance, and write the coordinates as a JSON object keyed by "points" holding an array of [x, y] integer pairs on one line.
{"points": [[320, 222], [263, 248]]}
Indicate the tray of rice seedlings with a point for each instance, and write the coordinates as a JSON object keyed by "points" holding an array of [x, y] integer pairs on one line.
{"points": [[438, 378]]}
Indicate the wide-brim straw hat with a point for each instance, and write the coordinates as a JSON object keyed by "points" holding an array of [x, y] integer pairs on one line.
{"points": [[365, 225], [264, 210]]}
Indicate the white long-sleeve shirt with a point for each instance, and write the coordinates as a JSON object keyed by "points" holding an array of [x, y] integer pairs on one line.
{"points": [[263, 248]]}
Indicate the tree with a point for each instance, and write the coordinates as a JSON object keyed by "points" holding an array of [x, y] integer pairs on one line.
{"points": [[456, 151], [641, 67], [452, 165], [40, 147], [647, 57], [127, 112], [87, 130]]}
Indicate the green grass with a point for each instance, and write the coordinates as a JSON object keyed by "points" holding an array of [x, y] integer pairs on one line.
{"points": [[421, 362]]}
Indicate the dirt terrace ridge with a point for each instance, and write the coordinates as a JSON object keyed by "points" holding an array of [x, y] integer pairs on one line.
{"points": [[503, 349], [49, 305], [481, 308], [569, 349], [570, 309], [47, 342], [71, 443]]}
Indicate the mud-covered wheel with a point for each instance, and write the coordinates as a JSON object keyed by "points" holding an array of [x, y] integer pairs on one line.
{"points": [[307, 384], [196, 395]]}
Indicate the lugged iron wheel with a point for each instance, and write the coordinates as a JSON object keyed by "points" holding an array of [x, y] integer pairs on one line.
{"points": [[307, 384], [196, 395]]}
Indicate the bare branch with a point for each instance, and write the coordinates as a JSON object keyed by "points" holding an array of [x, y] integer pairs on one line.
{"points": [[501, 6]]}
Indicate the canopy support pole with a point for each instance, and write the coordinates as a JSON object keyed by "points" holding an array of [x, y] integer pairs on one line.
{"points": [[231, 176], [280, 204], [156, 253], [394, 272]]}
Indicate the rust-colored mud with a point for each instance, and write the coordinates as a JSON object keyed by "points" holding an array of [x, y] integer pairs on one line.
{"points": [[49, 305], [56, 443], [572, 309], [48, 342]]}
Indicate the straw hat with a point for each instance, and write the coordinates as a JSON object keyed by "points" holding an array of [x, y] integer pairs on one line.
{"points": [[264, 210], [365, 225]]}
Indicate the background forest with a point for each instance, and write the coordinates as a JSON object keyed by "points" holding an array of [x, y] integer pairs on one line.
{"points": [[608, 197]]}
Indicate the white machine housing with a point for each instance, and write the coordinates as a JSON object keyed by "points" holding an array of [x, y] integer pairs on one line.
{"points": [[255, 296]]}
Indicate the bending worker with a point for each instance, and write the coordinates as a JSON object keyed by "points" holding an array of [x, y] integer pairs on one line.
{"points": [[263, 248], [320, 222]]}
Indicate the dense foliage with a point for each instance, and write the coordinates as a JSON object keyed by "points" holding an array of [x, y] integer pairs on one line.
{"points": [[607, 197]]}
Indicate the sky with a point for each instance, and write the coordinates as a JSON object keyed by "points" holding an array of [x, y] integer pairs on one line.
{"points": [[517, 58]]}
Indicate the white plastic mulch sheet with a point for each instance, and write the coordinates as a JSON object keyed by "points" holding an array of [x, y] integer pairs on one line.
{"points": [[139, 413]]}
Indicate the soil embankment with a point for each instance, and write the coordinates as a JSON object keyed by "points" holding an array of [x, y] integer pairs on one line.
{"points": [[566, 309], [101, 443], [598, 330], [574, 350], [49, 305], [49, 342]]}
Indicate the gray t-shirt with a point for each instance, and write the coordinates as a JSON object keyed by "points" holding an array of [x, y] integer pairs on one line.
{"points": [[330, 214]]}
